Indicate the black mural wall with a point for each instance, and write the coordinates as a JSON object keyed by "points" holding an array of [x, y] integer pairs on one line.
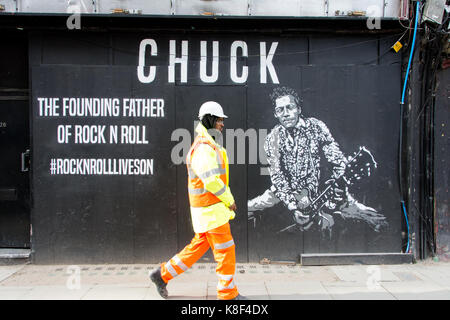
{"points": [[109, 140]]}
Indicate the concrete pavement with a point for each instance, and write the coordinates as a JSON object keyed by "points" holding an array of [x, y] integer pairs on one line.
{"points": [[420, 281]]}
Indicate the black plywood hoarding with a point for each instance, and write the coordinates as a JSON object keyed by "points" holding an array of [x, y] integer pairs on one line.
{"points": [[346, 88]]}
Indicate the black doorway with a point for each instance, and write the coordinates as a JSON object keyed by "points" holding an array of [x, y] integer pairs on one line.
{"points": [[14, 143]]}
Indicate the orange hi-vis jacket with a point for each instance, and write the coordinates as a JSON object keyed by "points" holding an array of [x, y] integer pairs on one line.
{"points": [[208, 176], [198, 195]]}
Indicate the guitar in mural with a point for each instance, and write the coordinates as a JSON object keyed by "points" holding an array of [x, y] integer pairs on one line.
{"points": [[359, 166]]}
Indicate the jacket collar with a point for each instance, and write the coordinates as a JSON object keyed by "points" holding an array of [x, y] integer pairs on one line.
{"points": [[300, 123], [202, 131]]}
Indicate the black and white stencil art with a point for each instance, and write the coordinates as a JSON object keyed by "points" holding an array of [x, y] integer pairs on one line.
{"points": [[294, 149]]}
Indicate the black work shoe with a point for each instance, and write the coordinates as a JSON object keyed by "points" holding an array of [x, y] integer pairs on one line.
{"points": [[161, 286], [239, 297]]}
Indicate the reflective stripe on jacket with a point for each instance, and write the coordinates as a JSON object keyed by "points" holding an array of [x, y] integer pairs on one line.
{"points": [[208, 174], [199, 196]]}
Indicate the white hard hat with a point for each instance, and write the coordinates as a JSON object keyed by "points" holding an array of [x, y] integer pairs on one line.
{"points": [[211, 107]]}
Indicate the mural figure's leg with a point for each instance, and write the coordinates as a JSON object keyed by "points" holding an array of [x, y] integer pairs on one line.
{"points": [[264, 201], [325, 223], [352, 209]]}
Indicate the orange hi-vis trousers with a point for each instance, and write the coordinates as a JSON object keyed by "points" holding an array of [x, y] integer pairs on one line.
{"points": [[221, 242]]}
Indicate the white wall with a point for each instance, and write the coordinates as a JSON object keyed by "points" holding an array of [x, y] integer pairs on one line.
{"points": [[294, 8]]}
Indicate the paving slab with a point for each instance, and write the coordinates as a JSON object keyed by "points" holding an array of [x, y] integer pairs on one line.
{"points": [[300, 290], [55, 293], [13, 293], [416, 290], [7, 271], [253, 290], [116, 292], [364, 274], [152, 294], [437, 274], [182, 290], [353, 291]]}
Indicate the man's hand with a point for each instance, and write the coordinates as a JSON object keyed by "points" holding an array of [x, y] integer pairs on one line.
{"points": [[339, 170], [233, 207], [301, 218], [303, 200], [338, 192]]}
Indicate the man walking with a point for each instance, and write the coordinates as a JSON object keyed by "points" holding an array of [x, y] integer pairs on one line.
{"points": [[212, 206]]}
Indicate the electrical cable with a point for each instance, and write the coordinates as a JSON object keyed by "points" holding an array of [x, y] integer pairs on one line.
{"points": [[434, 57], [432, 44], [197, 56], [412, 52], [401, 121]]}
